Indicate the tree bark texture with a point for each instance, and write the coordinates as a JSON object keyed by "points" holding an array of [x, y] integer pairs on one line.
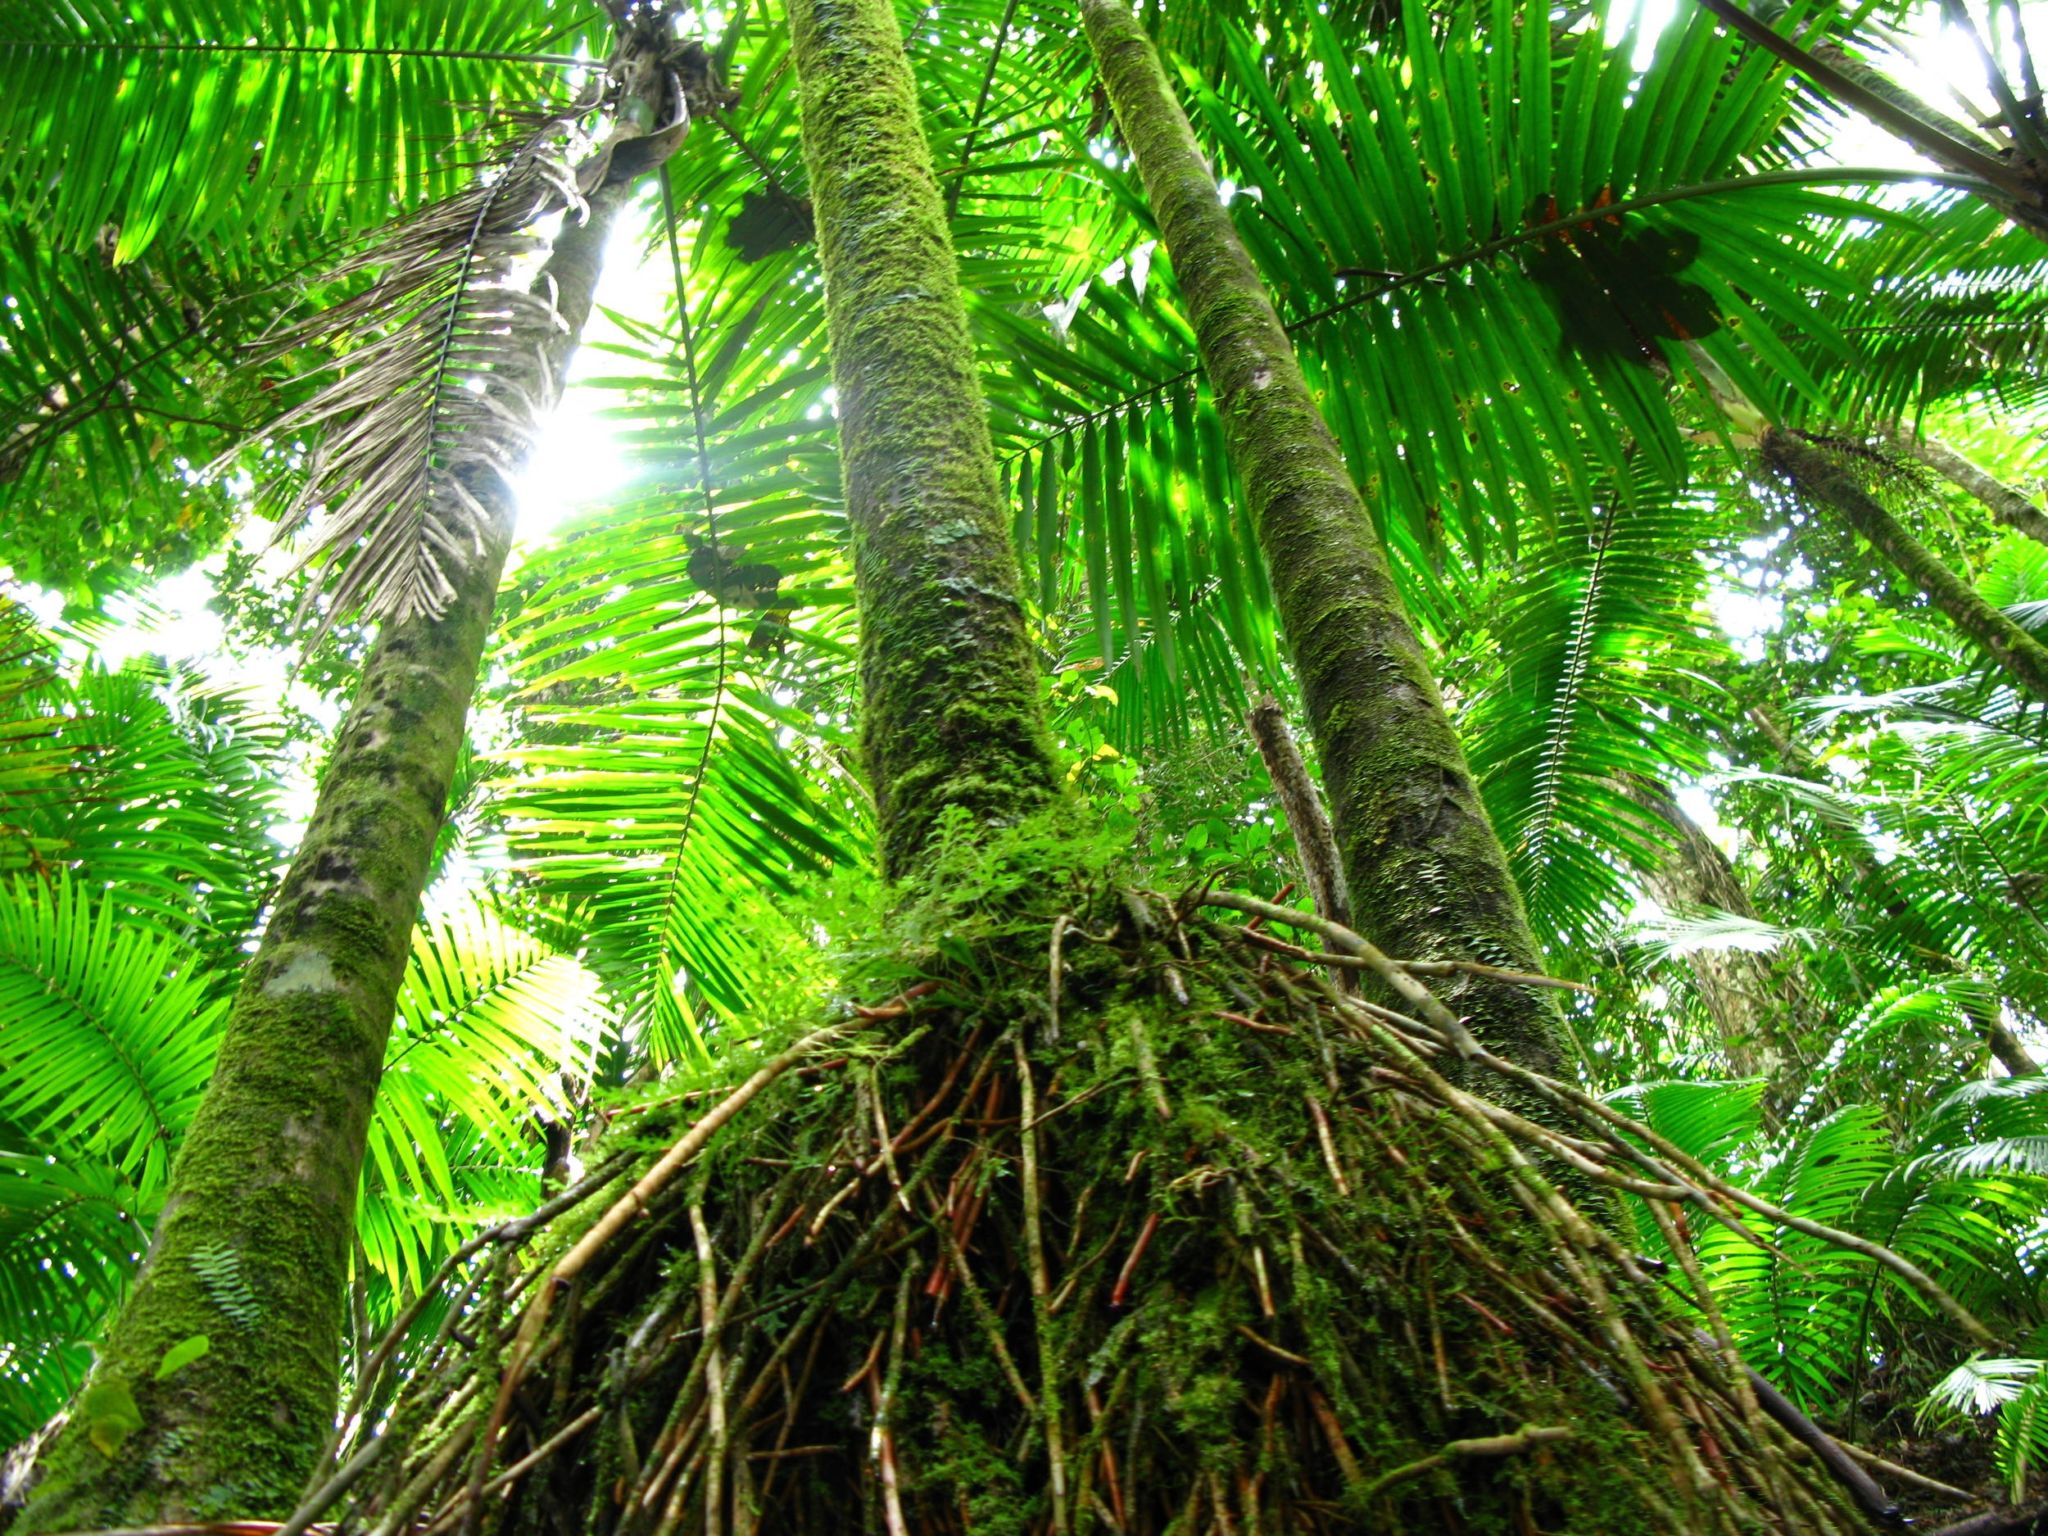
{"points": [[1427, 874], [951, 713], [2005, 503], [252, 1249], [1315, 843], [1821, 480]]}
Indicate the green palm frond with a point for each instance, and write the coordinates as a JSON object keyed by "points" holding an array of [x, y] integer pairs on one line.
{"points": [[107, 1038], [2022, 1445], [658, 782], [682, 663], [105, 372], [1942, 309], [167, 796], [1489, 267], [171, 176], [1956, 1195], [69, 1234], [1598, 642], [232, 124], [106, 1033], [34, 761], [491, 1025]]}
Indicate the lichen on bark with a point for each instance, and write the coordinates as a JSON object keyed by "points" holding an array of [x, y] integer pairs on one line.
{"points": [[1427, 874], [951, 713], [252, 1248]]}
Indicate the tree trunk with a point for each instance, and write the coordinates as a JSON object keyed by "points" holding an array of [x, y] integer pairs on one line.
{"points": [[1749, 1000], [252, 1249], [1819, 479], [1103, 1213], [951, 713], [2006, 504], [1428, 877]]}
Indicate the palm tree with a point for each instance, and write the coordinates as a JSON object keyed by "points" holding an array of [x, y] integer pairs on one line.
{"points": [[440, 397], [1485, 369]]}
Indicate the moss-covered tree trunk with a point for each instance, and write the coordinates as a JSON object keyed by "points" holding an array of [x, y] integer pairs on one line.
{"points": [[1100, 1214], [2009, 506], [1428, 877], [951, 713], [1824, 481], [251, 1251]]}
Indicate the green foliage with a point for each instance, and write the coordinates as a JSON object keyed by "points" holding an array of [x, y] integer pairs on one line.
{"points": [[220, 1272], [1484, 226], [1599, 650], [112, 998], [1957, 1192]]}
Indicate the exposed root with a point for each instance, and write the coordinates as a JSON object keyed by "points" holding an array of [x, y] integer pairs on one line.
{"points": [[1227, 1248]]}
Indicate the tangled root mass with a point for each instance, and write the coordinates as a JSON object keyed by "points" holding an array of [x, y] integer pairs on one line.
{"points": [[1127, 1220]]}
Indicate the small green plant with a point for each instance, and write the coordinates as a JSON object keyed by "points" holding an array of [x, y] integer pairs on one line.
{"points": [[220, 1270]]}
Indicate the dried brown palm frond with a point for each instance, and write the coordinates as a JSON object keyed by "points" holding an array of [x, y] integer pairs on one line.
{"points": [[437, 369], [438, 376]]}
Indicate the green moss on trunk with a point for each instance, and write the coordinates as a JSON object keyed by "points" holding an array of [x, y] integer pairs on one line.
{"points": [[2006, 504], [1821, 479], [252, 1248], [1427, 873], [962, 1272], [951, 708]]}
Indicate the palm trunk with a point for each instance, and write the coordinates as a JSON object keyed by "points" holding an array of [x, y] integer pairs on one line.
{"points": [[2006, 504], [951, 714], [1820, 480], [251, 1251], [1117, 1217], [1427, 874]]}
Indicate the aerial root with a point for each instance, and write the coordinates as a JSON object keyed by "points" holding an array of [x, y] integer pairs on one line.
{"points": [[1179, 1236]]}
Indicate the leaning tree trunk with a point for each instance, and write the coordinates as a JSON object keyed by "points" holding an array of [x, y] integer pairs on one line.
{"points": [[251, 1251], [1427, 874], [2009, 506], [1824, 481]]}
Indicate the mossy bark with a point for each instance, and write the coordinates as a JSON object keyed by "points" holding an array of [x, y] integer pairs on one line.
{"points": [[2006, 504], [251, 1251], [956, 1273], [952, 716], [1427, 874], [1822, 480]]}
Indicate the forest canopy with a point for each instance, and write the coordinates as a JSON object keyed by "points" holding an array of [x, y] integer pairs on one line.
{"points": [[1023, 765]]}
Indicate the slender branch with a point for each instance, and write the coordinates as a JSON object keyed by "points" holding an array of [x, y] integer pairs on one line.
{"points": [[1314, 843], [1527, 1438]]}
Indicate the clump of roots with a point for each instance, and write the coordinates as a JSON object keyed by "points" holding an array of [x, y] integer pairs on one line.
{"points": [[1151, 1224]]}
